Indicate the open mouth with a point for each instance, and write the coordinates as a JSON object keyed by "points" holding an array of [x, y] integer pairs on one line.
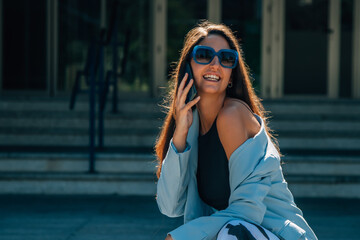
{"points": [[211, 77]]}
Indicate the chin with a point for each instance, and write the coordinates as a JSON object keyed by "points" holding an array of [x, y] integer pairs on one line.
{"points": [[211, 90]]}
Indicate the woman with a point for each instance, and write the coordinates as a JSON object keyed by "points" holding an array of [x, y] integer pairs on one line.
{"points": [[218, 164]]}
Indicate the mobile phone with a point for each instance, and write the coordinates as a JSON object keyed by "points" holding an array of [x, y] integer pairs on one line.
{"points": [[192, 92]]}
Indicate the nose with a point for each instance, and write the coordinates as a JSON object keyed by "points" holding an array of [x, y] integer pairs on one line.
{"points": [[215, 62]]}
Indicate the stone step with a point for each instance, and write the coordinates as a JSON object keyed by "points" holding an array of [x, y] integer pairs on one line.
{"points": [[308, 106], [141, 128], [66, 140], [133, 174], [309, 165], [350, 117], [156, 122], [62, 105], [78, 115], [303, 126], [77, 162], [313, 106], [320, 125], [79, 123], [149, 105], [160, 115], [321, 165], [77, 183], [148, 138], [314, 117], [325, 187], [68, 131], [321, 143], [145, 184]]}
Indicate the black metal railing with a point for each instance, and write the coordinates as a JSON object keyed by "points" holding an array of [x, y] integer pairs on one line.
{"points": [[94, 73]]}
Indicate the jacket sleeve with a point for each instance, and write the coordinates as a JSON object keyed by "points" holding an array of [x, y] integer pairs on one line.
{"points": [[173, 182], [250, 180]]}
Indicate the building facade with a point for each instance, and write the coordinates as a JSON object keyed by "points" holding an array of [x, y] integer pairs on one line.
{"points": [[302, 48]]}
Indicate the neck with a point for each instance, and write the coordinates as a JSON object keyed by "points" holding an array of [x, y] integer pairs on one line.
{"points": [[208, 108]]}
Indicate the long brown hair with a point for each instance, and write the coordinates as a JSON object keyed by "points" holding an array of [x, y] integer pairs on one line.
{"points": [[242, 88]]}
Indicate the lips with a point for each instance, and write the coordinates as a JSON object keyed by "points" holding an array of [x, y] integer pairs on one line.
{"points": [[211, 77]]}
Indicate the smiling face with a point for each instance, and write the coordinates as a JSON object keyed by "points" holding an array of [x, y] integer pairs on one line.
{"points": [[212, 78]]}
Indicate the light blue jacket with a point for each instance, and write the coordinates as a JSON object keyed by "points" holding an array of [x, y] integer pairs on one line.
{"points": [[259, 193]]}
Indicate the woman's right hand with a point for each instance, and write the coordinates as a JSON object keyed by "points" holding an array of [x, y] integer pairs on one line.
{"points": [[183, 114]]}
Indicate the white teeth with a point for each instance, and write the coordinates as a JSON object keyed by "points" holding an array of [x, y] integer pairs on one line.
{"points": [[212, 77]]}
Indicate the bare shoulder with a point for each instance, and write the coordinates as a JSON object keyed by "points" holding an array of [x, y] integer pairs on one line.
{"points": [[235, 124], [238, 112]]}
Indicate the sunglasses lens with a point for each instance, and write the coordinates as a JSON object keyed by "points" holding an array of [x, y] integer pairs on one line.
{"points": [[204, 55], [228, 59]]}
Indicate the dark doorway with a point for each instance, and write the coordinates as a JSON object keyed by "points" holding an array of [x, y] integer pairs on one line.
{"points": [[306, 45], [24, 45]]}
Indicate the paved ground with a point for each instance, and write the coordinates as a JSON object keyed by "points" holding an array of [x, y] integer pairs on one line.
{"points": [[37, 217]]}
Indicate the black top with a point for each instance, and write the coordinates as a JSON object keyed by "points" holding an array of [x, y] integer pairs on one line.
{"points": [[213, 171]]}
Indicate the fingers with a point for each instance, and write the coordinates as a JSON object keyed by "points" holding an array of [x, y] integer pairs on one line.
{"points": [[192, 103]]}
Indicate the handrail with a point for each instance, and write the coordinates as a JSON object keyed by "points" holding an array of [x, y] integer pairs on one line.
{"points": [[113, 74], [94, 76], [97, 69]]}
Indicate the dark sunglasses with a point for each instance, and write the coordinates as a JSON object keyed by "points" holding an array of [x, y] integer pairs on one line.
{"points": [[204, 55]]}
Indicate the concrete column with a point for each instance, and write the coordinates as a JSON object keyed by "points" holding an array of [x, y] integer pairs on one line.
{"points": [[103, 14], [1, 49], [281, 66], [48, 44], [159, 63], [55, 56], [266, 49], [214, 10], [52, 46], [272, 65], [334, 49], [356, 51], [277, 40]]}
